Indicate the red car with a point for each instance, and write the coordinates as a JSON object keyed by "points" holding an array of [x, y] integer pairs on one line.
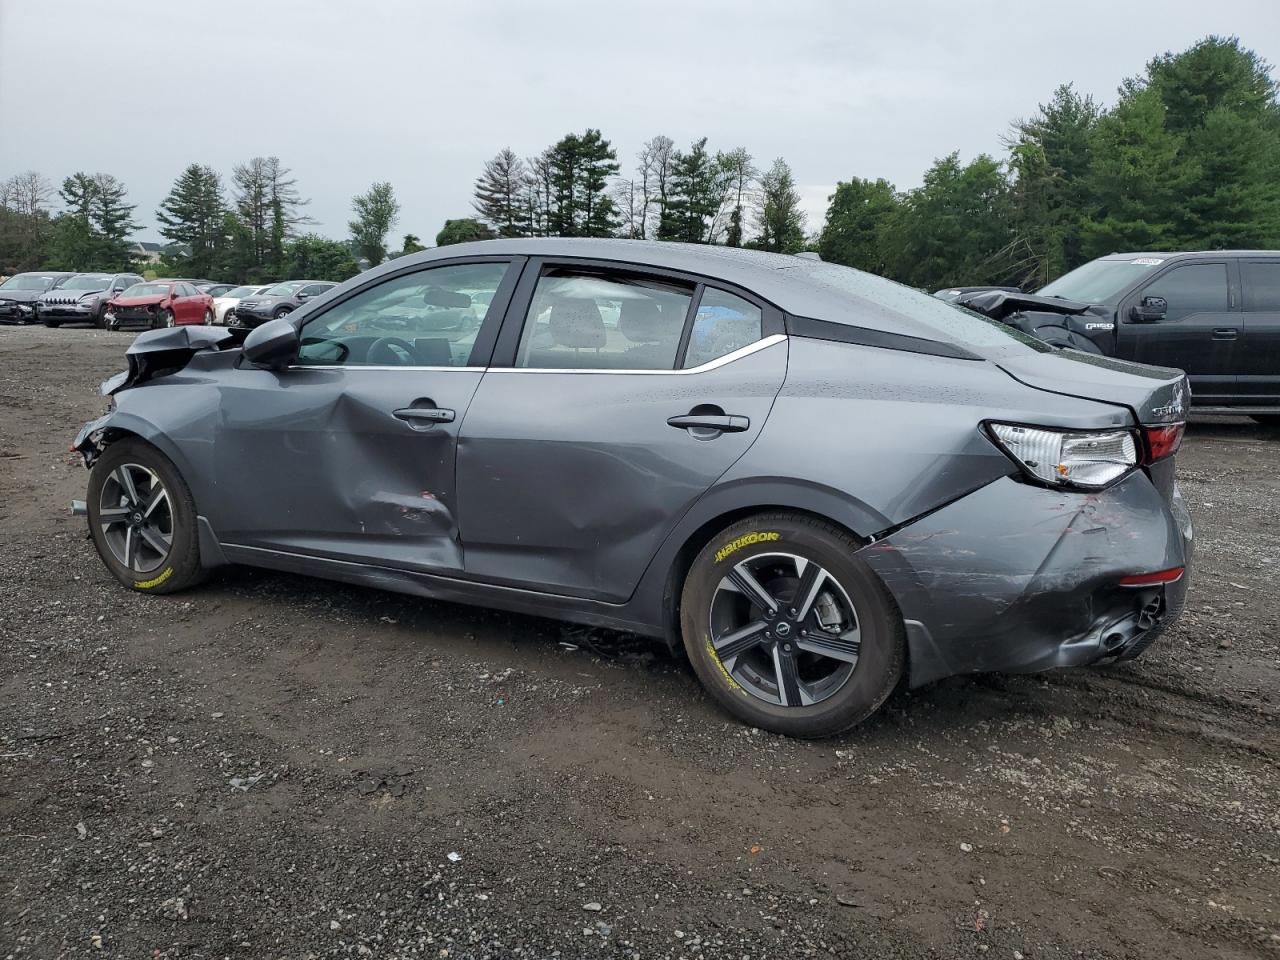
{"points": [[159, 303]]}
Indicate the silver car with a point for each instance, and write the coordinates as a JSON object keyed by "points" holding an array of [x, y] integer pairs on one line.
{"points": [[816, 482]]}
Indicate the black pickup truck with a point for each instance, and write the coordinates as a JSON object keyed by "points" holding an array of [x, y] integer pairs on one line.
{"points": [[1215, 315]]}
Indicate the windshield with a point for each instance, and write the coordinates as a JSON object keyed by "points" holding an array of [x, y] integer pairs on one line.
{"points": [[1099, 281], [239, 293], [87, 281], [147, 290], [283, 289], [27, 281]]}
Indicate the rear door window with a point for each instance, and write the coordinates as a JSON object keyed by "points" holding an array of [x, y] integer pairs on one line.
{"points": [[724, 323], [1261, 286], [598, 319]]}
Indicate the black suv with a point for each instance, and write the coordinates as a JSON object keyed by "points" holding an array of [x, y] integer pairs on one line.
{"points": [[1215, 315], [19, 293]]}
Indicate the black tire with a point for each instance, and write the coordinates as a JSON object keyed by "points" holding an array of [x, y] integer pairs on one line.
{"points": [[100, 319], [281, 312], [163, 319], [1267, 419], [51, 323], [180, 567], [208, 317], [880, 654]]}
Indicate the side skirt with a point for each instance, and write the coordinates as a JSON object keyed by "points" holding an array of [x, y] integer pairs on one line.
{"points": [[575, 610]]}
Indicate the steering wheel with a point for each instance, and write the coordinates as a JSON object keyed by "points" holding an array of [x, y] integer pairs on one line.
{"points": [[392, 351]]}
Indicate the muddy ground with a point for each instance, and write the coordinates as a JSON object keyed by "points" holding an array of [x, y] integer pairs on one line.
{"points": [[428, 780]]}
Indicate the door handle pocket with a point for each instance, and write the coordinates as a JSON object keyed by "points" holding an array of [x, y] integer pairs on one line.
{"points": [[1226, 333], [725, 423], [424, 416]]}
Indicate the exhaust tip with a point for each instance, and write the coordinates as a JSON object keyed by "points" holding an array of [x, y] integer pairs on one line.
{"points": [[79, 508]]}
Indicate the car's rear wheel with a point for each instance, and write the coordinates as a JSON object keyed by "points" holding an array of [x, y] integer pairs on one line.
{"points": [[788, 629], [142, 519]]}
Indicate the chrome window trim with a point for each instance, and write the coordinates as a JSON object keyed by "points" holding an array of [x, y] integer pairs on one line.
{"points": [[738, 354]]}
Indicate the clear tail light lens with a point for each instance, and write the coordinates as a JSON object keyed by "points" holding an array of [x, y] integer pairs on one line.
{"points": [[1069, 458]]}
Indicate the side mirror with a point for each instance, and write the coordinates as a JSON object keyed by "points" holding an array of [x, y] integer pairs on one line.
{"points": [[1149, 310], [271, 345], [303, 297]]}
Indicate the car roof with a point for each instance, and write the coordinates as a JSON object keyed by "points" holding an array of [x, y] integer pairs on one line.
{"points": [[801, 286], [1191, 253]]}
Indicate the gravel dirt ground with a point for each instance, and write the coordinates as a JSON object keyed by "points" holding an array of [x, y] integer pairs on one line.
{"points": [[272, 766]]}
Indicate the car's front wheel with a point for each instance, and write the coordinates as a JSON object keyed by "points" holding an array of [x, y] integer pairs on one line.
{"points": [[1267, 419], [142, 519], [280, 312], [163, 319], [208, 317], [788, 629]]}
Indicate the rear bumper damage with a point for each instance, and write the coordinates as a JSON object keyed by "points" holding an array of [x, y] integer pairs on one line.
{"points": [[1018, 578]]}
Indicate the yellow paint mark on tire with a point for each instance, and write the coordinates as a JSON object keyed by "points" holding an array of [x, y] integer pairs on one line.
{"points": [[154, 581], [715, 658], [746, 540]]}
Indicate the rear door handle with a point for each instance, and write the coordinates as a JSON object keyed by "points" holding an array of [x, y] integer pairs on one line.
{"points": [[725, 423], [1226, 333], [427, 415]]}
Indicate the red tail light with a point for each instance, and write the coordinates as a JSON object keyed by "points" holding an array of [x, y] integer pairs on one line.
{"points": [[1172, 575], [1162, 441]]}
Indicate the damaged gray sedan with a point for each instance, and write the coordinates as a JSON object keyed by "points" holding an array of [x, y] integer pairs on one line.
{"points": [[818, 482]]}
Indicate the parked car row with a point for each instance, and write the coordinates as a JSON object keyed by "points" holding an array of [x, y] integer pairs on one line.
{"points": [[117, 300]]}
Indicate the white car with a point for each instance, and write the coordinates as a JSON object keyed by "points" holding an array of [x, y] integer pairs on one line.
{"points": [[225, 304]]}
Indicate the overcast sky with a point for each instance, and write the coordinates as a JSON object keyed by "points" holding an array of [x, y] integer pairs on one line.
{"points": [[348, 92]]}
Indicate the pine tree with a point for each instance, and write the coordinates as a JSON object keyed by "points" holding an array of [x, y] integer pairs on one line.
{"points": [[697, 188], [93, 232], [267, 197], [578, 170], [377, 211], [193, 214], [779, 219], [501, 194]]}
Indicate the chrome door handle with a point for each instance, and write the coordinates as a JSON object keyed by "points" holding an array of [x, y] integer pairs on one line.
{"points": [[1226, 333]]}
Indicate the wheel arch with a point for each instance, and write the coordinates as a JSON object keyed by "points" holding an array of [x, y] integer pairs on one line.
{"points": [[658, 595]]}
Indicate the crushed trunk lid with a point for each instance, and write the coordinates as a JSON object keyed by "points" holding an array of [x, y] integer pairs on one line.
{"points": [[1154, 394]]}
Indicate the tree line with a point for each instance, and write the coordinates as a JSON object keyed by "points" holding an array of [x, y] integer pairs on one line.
{"points": [[1188, 157]]}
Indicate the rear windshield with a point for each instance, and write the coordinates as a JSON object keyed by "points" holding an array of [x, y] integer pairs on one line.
{"points": [[1100, 281], [943, 321]]}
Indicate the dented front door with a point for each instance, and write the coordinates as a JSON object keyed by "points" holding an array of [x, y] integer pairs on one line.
{"points": [[348, 463]]}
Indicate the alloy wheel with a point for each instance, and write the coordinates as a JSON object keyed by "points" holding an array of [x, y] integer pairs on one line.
{"points": [[208, 317], [785, 629], [136, 516]]}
